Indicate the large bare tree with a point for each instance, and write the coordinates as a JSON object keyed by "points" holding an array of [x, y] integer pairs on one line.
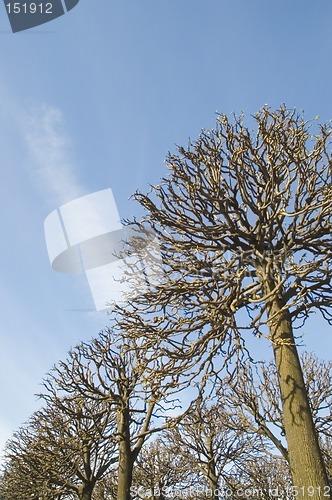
{"points": [[115, 370], [244, 227]]}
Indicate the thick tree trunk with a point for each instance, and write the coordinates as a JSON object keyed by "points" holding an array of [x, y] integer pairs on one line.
{"points": [[125, 473], [308, 471], [86, 493], [125, 467]]}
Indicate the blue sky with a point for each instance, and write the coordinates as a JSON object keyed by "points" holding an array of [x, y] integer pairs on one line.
{"points": [[96, 99]]}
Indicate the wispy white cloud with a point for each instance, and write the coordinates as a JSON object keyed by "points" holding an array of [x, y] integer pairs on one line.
{"points": [[51, 159]]}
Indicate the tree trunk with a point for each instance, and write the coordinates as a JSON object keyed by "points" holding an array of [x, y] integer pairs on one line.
{"points": [[308, 471], [125, 467], [213, 486], [212, 476], [86, 493]]}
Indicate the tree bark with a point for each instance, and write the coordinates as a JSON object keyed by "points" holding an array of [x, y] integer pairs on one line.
{"points": [[213, 486], [212, 476], [308, 471], [125, 467], [86, 492]]}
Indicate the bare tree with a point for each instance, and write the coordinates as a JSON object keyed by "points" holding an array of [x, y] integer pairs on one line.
{"points": [[32, 468], [62, 451], [326, 445], [115, 370], [211, 440], [106, 489], [19, 478], [255, 398], [266, 478], [161, 472], [244, 227]]}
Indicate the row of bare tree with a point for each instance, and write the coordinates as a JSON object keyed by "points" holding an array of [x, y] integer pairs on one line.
{"points": [[243, 227], [90, 439]]}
